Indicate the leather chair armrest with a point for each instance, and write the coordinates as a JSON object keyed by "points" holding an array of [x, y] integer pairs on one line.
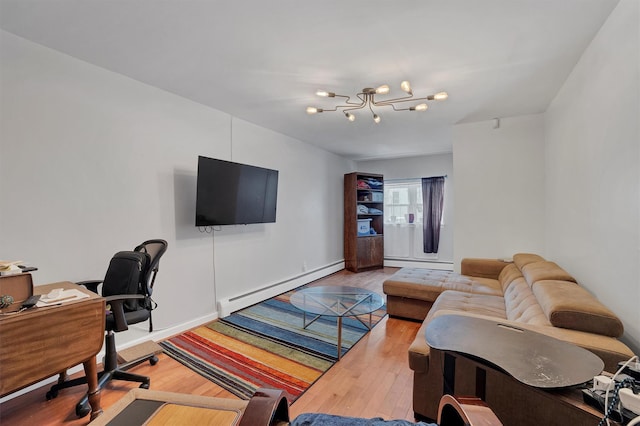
{"points": [[117, 308], [266, 407], [455, 410]]}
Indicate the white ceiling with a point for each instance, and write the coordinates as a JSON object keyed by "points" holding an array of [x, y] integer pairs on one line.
{"points": [[262, 61]]}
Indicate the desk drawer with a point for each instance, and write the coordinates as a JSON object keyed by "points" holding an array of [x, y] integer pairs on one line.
{"points": [[19, 286]]}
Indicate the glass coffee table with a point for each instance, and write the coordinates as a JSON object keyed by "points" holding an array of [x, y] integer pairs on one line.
{"points": [[336, 301]]}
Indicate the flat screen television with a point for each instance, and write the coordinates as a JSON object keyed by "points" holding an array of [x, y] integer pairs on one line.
{"points": [[231, 193]]}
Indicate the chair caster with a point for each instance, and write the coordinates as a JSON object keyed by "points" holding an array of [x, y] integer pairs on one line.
{"points": [[82, 409], [51, 394], [153, 360], [144, 386]]}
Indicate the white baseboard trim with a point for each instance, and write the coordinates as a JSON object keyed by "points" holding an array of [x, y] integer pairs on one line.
{"points": [[231, 304], [444, 266]]}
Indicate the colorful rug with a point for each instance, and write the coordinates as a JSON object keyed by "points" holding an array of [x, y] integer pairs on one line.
{"points": [[265, 346]]}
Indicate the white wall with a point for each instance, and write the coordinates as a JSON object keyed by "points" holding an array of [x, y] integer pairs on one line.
{"points": [[499, 188], [92, 162], [416, 168], [308, 233], [593, 169]]}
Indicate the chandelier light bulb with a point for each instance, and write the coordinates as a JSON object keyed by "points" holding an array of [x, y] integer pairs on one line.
{"points": [[313, 110], [376, 118], [350, 116], [441, 96], [406, 86], [325, 94], [382, 90], [421, 107]]}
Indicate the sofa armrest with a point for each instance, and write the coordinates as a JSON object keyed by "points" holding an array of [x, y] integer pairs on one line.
{"points": [[484, 268], [419, 351]]}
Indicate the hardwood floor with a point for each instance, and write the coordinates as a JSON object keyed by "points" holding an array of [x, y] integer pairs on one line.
{"points": [[372, 380]]}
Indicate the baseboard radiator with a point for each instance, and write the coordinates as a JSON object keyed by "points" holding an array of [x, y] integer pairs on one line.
{"points": [[231, 304], [425, 264]]}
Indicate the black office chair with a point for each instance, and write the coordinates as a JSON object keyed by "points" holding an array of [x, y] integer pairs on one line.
{"points": [[122, 310]]}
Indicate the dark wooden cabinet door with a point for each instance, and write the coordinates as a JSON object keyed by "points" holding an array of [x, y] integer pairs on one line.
{"points": [[370, 252]]}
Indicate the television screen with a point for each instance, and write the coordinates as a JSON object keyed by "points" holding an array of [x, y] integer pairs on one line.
{"points": [[231, 193]]}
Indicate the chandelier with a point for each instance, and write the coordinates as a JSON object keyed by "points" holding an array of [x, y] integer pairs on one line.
{"points": [[368, 99]]}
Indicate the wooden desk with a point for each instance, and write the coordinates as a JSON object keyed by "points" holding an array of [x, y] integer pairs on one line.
{"points": [[42, 342]]}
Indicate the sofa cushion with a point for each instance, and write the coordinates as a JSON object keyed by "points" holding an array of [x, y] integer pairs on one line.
{"points": [[427, 284], [521, 304], [538, 271], [485, 268], [567, 305], [508, 275], [522, 259], [482, 304]]}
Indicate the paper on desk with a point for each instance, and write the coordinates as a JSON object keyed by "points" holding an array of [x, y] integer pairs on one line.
{"points": [[10, 267], [5, 264], [61, 296]]}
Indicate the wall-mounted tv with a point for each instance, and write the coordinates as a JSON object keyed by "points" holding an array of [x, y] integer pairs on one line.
{"points": [[231, 193]]}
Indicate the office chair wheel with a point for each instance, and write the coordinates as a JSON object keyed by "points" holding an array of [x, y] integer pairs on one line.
{"points": [[82, 409], [51, 394], [153, 360], [144, 386]]}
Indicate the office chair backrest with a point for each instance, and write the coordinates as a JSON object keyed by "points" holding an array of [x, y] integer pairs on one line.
{"points": [[124, 276], [155, 249]]}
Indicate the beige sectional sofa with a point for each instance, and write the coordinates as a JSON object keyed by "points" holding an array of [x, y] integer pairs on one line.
{"points": [[529, 292]]}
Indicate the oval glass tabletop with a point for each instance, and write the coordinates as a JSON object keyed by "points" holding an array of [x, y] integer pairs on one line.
{"points": [[532, 358], [337, 301]]}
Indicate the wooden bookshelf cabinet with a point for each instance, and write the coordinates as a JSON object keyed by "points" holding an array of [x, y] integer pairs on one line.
{"points": [[363, 203]]}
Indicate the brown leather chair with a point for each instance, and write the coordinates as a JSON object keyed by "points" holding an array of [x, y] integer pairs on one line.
{"points": [[465, 411]]}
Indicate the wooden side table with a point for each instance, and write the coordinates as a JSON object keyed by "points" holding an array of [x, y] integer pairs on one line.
{"points": [[42, 342]]}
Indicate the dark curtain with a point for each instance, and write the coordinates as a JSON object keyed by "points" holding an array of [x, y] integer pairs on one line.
{"points": [[432, 196]]}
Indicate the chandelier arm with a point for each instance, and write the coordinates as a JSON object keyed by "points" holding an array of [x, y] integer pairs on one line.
{"points": [[379, 104], [348, 107], [403, 99], [348, 100], [351, 105], [390, 102], [394, 107], [353, 108]]}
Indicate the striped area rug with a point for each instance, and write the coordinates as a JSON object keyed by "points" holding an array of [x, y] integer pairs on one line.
{"points": [[265, 346]]}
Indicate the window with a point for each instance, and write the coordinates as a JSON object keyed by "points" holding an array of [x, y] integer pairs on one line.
{"points": [[401, 198], [402, 242]]}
